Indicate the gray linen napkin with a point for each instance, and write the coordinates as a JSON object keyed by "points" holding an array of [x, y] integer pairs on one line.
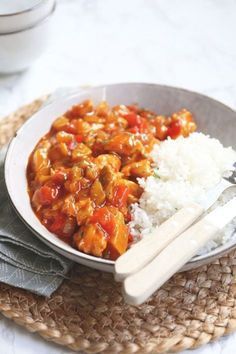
{"points": [[26, 262]]}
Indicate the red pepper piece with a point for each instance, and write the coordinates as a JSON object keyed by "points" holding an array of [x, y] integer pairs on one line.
{"points": [[63, 226], [133, 119], [59, 178], [134, 130], [120, 196], [104, 218], [45, 195], [174, 129], [130, 238], [79, 138]]}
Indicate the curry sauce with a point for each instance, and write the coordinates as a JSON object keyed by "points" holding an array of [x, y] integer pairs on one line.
{"points": [[82, 175]]}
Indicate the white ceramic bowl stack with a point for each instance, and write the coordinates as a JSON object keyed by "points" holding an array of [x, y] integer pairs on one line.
{"points": [[24, 32]]}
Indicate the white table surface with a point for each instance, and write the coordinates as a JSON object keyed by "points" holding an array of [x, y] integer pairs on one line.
{"points": [[185, 43]]}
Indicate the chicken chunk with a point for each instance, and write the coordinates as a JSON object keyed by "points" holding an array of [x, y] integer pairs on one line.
{"points": [[91, 239], [80, 152], [97, 193], [84, 210], [108, 160], [118, 241], [138, 169], [40, 161], [124, 144]]}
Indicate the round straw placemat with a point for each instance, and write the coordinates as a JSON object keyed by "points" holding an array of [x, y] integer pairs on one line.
{"points": [[88, 313]]}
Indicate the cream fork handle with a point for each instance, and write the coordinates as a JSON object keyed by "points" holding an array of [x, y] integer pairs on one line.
{"points": [[149, 247], [141, 285]]}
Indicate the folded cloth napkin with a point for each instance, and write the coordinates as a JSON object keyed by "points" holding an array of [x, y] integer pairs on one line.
{"points": [[25, 261]]}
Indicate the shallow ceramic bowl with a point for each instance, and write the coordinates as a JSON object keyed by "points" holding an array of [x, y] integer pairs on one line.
{"points": [[212, 118], [18, 50], [30, 15]]}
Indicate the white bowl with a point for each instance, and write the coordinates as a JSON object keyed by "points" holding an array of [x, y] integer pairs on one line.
{"points": [[26, 16], [18, 50], [212, 117]]}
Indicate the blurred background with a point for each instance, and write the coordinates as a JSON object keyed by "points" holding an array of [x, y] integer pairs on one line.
{"points": [[185, 43]]}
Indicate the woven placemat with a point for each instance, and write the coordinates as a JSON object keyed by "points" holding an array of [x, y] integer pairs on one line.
{"points": [[88, 313]]}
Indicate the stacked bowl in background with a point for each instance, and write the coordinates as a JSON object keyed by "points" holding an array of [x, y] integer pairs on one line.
{"points": [[24, 32]]}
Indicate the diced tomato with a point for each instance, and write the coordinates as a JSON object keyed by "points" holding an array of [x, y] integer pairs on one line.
{"points": [[133, 119], [120, 196], [70, 128], [128, 217], [130, 238], [118, 243], [134, 130], [105, 218], [174, 129], [45, 195], [58, 224], [59, 178], [79, 138], [136, 123], [63, 226]]}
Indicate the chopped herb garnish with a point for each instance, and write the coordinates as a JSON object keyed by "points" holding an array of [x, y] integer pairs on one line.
{"points": [[155, 173]]}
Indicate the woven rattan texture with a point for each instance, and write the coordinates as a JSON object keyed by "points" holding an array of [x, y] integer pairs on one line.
{"points": [[88, 313]]}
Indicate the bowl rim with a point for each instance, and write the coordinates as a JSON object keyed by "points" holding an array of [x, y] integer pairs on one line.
{"points": [[221, 249], [26, 10], [36, 24]]}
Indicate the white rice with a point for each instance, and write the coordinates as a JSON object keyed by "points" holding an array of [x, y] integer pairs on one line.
{"points": [[185, 169]]}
